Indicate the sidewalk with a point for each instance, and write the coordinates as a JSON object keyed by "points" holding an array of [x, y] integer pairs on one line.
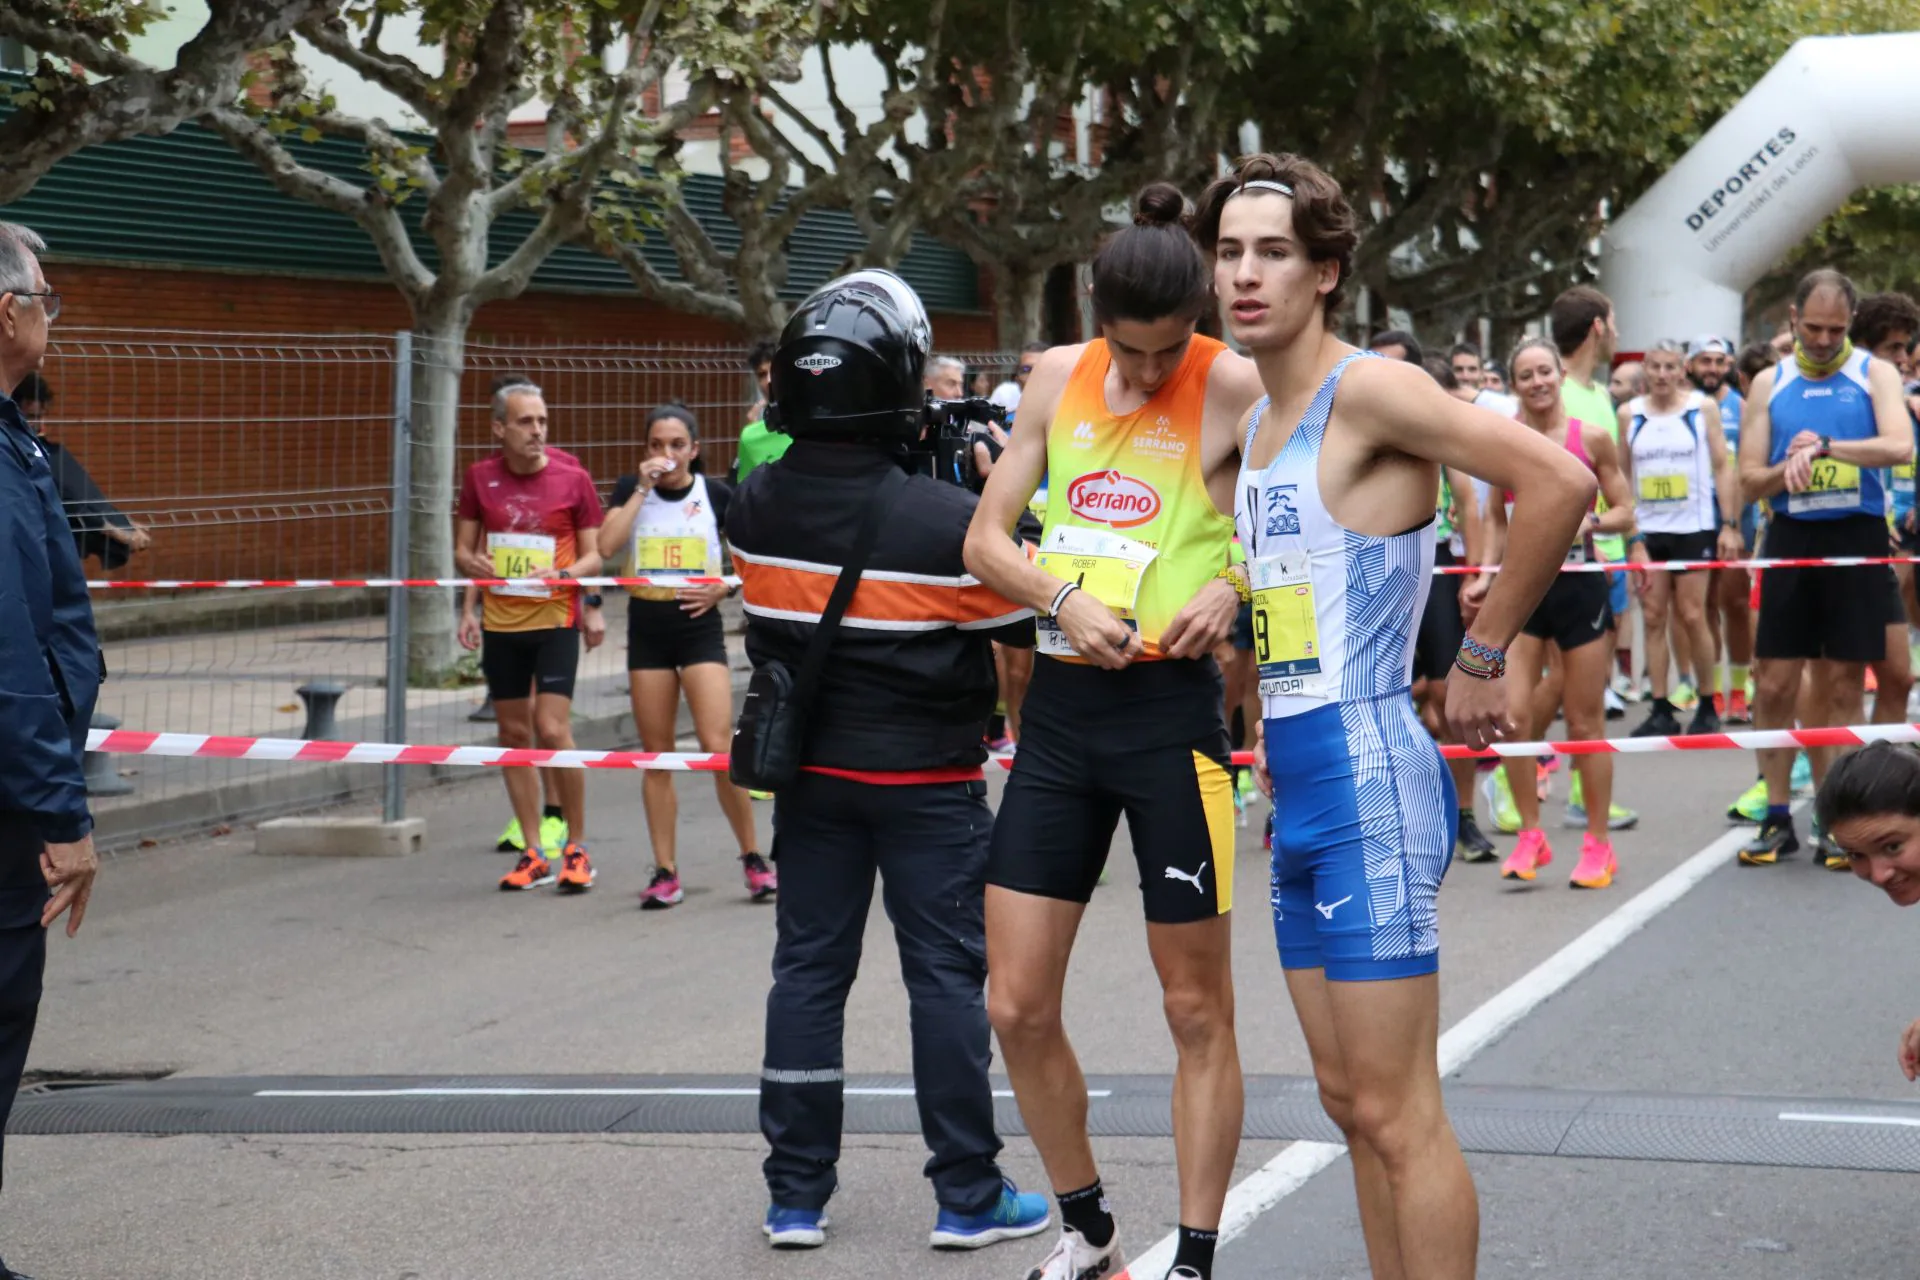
{"points": [[243, 683]]}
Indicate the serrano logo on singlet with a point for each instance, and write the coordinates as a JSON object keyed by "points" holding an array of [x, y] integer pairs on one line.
{"points": [[1113, 499]]}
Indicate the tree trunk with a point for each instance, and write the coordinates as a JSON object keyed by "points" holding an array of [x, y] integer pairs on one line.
{"points": [[1019, 292], [439, 358]]}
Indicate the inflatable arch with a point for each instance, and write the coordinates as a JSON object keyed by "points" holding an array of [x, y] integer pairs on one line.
{"points": [[1838, 113]]}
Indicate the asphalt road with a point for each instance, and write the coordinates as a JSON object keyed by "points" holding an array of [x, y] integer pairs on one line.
{"points": [[205, 960]]}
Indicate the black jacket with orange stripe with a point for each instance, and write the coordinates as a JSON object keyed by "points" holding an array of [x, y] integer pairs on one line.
{"points": [[909, 682]]}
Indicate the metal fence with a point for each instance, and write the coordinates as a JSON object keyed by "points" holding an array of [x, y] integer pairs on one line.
{"points": [[272, 456]]}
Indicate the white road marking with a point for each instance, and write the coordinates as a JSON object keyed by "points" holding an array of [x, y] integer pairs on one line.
{"points": [[505, 1091], [1811, 1117], [1287, 1172]]}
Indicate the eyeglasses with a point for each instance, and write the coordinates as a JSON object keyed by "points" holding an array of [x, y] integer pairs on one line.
{"points": [[52, 304]]}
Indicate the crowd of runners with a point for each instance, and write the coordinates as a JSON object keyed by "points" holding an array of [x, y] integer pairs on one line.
{"points": [[1220, 546]]}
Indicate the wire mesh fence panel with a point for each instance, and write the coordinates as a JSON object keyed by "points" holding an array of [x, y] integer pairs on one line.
{"points": [[221, 456], [224, 456]]}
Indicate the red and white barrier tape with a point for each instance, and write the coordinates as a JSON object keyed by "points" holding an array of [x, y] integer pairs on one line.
{"points": [[132, 742], [203, 584], [1452, 570]]}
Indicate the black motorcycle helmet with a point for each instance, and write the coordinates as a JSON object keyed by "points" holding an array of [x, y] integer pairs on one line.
{"points": [[852, 362]]}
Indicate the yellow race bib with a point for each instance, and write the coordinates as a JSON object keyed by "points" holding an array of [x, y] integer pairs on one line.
{"points": [[1286, 628], [669, 555], [520, 555], [1112, 580], [1663, 488], [1830, 475]]}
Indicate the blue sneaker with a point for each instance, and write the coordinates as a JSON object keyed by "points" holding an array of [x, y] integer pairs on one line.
{"points": [[1019, 1213], [795, 1228]]}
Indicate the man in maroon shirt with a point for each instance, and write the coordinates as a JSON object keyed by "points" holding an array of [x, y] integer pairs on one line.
{"points": [[524, 515]]}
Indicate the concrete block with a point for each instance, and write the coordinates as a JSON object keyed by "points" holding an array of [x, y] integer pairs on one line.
{"points": [[340, 837]]}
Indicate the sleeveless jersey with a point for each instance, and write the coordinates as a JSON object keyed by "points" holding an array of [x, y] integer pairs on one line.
{"points": [[1128, 515], [1837, 406], [1335, 612], [1672, 467], [1576, 444], [675, 539]]}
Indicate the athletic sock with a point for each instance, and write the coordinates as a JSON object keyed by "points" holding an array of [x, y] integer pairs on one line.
{"points": [[1736, 677], [1780, 813], [1196, 1250], [1086, 1211], [553, 811]]}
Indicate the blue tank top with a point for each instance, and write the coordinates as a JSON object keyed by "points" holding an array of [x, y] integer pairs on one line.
{"points": [[1335, 612], [1839, 407]]}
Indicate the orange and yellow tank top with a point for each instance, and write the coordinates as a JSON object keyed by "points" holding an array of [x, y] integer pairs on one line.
{"points": [[1128, 514]]}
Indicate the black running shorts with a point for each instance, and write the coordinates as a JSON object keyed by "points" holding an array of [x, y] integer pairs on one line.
{"points": [[1441, 627], [1080, 768], [519, 664], [1576, 611], [1838, 613], [661, 637], [1704, 545]]}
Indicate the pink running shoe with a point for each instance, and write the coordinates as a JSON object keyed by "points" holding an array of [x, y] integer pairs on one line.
{"points": [[662, 891], [1531, 854], [762, 881], [1596, 866]]}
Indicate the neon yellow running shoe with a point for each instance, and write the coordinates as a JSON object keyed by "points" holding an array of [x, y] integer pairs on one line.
{"points": [[1499, 794], [553, 833], [1752, 804], [511, 841]]}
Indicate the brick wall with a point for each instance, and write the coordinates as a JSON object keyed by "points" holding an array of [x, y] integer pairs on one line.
{"points": [[266, 456]]}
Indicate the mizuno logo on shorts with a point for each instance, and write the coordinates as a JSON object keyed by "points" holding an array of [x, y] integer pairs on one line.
{"points": [[1330, 908]]}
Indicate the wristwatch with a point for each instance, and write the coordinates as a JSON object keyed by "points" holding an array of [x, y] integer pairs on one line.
{"points": [[592, 600], [1825, 448]]}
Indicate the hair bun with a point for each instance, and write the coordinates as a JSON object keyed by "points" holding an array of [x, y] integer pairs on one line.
{"points": [[1159, 204]]}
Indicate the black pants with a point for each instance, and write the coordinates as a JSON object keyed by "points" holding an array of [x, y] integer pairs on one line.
{"points": [[929, 844], [23, 952]]}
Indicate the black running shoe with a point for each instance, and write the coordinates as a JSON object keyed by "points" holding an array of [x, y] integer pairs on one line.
{"points": [[1705, 719], [1775, 841], [1470, 843], [1661, 724], [1828, 854]]}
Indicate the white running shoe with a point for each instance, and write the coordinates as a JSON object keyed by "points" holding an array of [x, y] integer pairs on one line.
{"points": [[1074, 1259]]}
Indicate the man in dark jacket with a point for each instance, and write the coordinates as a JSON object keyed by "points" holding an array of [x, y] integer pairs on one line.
{"points": [[99, 528], [891, 779], [49, 678]]}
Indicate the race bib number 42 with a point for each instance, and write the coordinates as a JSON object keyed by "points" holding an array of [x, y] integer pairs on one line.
{"points": [[1286, 629], [1834, 486], [520, 555]]}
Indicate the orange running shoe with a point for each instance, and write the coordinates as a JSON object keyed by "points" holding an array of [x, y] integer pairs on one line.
{"points": [[1737, 710], [576, 868], [1531, 854], [1596, 866], [530, 872]]}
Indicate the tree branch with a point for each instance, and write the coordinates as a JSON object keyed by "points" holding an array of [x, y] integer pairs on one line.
{"points": [[398, 75], [375, 215], [133, 98], [671, 293]]}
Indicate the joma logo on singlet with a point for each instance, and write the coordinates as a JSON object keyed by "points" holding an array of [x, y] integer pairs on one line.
{"points": [[1114, 499]]}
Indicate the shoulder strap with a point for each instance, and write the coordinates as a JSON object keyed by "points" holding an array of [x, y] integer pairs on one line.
{"points": [[879, 504]]}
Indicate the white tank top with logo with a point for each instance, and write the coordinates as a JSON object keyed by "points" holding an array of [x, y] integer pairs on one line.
{"points": [[1673, 478], [673, 539]]}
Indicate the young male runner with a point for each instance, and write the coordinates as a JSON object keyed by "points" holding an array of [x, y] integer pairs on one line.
{"points": [[1335, 506], [522, 515], [1819, 428], [1729, 615], [1134, 434]]}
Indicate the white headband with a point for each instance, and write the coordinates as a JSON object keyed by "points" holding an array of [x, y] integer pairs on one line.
{"points": [[1263, 184]]}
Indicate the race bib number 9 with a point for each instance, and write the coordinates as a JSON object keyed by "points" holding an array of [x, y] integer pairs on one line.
{"points": [[1834, 486], [520, 555], [1286, 629], [1659, 488]]}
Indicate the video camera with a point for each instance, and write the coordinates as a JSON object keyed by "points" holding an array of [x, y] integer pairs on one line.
{"points": [[945, 450]]}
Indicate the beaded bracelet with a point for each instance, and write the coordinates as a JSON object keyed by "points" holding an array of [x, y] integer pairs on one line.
{"points": [[1481, 661]]}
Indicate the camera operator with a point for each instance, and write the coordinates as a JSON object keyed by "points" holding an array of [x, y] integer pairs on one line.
{"points": [[884, 767]]}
